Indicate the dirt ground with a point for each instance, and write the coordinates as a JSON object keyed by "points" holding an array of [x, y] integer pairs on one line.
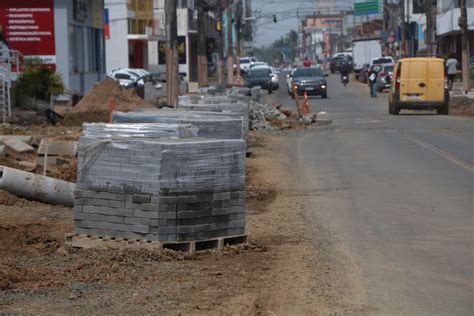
{"points": [[461, 106], [280, 272]]}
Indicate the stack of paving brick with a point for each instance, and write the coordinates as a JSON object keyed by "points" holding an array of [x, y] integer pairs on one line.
{"points": [[160, 189], [220, 105], [209, 126]]}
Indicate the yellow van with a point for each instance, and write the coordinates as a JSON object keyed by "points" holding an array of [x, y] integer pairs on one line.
{"points": [[419, 83]]}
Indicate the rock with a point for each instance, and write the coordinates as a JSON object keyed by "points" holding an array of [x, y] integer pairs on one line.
{"points": [[287, 112], [27, 165]]}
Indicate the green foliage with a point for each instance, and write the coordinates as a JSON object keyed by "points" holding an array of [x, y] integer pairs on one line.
{"points": [[273, 52], [39, 81]]}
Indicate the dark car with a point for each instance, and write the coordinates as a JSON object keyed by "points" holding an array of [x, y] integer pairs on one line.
{"points": [[312, 80], [336, 62], [259, 77]]}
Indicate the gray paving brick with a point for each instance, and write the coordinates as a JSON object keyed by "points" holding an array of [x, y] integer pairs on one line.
{"points": [[164, 199], [220, 211], [136, 198], [186, 214], [187, 199], [221, 196], [133, 220], [185, 229], [205, 198], [143, 229], [237, 209], [146, 214], [166, 215]]}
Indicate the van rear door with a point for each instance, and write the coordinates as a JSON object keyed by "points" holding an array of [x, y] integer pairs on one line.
{"points": [[414, 83], [435, 88]]}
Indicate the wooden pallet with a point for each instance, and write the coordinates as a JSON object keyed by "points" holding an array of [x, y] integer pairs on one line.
{"points": [[94, 242]]}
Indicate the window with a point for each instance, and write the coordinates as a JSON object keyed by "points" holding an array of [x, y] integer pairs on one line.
{"points": [[123, 76]]}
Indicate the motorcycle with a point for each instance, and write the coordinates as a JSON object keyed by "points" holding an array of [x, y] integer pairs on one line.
{"points": [[345, 80]]}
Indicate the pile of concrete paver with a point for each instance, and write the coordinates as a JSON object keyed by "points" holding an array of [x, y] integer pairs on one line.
{"points": [[169, 175]]}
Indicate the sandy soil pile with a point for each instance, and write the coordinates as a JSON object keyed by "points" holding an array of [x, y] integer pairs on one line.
{"points": [[94, 107]]}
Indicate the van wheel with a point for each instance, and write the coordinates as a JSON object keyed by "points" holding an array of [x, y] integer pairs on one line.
{"points": [[393, 110], [443, 111]]}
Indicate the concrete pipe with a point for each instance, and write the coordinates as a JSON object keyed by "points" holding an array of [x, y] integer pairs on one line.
{"points": [[36, 187]]}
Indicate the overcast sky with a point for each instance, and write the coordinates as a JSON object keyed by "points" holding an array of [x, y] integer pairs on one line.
{"points": [[269, 32]]}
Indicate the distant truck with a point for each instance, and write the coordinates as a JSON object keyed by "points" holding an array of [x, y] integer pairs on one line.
{"points": [[363, 51]]}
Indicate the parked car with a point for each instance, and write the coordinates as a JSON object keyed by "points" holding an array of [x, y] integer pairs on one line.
{"points": [[380, 61], [259, 76], [310, 79], [384, 79], [275, 79], [335, 63], [364, 73], [245, 62], [419, 83], [126, 77]]}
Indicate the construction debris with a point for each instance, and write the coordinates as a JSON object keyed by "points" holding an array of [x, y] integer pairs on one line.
{"points": [[36, 187], [57, 147], [262, 114], [16, 146], [24, 138]]}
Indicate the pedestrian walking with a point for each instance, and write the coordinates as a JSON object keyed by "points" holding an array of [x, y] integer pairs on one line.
{"points": [[373, 74], [307, 62], [452, 67]]}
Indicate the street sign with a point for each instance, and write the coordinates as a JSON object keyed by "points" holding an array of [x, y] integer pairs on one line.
{"points": [[367, 8]]}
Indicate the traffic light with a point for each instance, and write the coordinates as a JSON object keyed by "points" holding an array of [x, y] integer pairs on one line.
{"points": [[274, 18], [219, 26]]}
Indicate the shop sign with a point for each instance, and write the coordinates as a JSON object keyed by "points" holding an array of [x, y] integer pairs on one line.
{"points": [[28, 27]]}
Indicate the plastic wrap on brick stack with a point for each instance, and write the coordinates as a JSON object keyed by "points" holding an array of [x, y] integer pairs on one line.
{"points": [[160, 189], [142, 130], [224, 105], [209, 126]]}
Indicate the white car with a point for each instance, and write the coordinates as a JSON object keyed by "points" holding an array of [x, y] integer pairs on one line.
{"points": [[246, 62], [129, 76]]}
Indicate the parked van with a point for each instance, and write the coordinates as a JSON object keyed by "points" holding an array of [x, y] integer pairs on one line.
{"points": [[419, 83]]}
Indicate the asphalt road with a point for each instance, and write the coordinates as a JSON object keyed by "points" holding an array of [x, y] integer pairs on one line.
{"points": [[396, 193]]}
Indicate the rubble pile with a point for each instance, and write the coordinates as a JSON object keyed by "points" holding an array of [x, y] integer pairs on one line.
{"points": [[260, 116]]}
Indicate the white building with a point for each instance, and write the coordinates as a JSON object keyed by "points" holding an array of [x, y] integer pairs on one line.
{"points": [[447, 27]]}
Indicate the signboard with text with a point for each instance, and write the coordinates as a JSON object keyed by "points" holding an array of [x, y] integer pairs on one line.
{"points": [[28, 26]]}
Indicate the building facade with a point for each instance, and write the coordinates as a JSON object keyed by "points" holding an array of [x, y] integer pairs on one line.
{"points": [[447, 27]]}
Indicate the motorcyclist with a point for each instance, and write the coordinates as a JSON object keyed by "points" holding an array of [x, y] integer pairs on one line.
{"points": [[344, 69]]}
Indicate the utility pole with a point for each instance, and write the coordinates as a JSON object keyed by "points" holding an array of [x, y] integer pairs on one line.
{"points": [[238, 26], [402, 28], [465, 47], [386, 19], [172, 62], [429, 26], [202, 44], [220, 58], [230, 48]]}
